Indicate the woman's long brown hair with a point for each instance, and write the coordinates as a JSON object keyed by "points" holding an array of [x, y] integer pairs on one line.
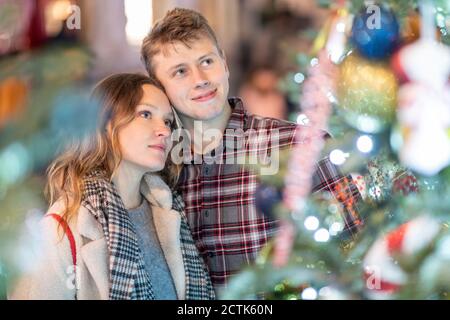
{"points": [[117, 95]]}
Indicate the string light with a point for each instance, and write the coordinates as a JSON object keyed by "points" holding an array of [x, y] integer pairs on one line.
{"points": [[335, 228], [299, 78], [309, 294], [302, 119], [311, 223], [322, 235], [364, 144], [325, 292], [338, 157]]}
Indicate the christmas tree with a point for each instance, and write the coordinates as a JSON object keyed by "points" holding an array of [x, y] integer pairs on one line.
{"points": [[43, 104], [377, 80]]}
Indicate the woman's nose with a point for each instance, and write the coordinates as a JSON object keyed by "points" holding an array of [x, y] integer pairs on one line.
{"points": [[163, 131]]}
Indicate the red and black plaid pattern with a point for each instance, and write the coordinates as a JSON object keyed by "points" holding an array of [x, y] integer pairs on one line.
{"points": [[219, 198]]}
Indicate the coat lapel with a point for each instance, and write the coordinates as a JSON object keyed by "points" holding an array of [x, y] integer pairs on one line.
{"points": [[94, 252]]}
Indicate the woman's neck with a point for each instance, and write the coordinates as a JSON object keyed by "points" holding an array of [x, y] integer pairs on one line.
{"points": [[127, 180]]}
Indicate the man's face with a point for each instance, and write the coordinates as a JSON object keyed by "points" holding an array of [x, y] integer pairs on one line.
{"points": [[195, 79]]}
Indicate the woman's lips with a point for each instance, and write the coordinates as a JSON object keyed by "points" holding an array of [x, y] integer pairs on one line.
{"points": [[207, 96], [159, 147]]}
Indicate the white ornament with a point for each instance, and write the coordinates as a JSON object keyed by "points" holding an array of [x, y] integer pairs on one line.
{"points": [[426, 61], [421, 232], [427, 149]]}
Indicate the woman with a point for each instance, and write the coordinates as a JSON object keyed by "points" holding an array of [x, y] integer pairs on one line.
{"points": [[115, 217]]}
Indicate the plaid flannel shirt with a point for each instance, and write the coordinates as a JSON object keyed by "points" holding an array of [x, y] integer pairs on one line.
{"points": [[220, 203]]}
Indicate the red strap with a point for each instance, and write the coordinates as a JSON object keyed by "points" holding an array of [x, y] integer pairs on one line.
{"points": [[69, 234]]}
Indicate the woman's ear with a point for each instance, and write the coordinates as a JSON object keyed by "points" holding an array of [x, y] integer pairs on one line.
{"points": [[108, 128]]}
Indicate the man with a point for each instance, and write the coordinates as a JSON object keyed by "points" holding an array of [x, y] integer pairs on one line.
{"points": [[183, 54]]}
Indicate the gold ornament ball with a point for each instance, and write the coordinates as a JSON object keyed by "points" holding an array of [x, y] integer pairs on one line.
{"points": [[367, 93]]}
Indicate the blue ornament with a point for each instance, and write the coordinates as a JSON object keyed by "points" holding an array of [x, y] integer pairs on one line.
{"points": [[266, 197], [375, 32]]}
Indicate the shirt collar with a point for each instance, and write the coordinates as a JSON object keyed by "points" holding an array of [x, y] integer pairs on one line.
{"points": [[238, 118]]}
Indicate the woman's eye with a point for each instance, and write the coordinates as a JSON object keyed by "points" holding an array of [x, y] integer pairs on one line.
{"points": [[145, 114], [169, 123], [179, 72]]}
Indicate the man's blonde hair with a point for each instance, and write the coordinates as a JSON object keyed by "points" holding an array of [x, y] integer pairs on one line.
{"points": [[178, 25]]}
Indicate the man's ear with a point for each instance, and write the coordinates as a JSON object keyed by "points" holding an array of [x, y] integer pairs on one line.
{"points": [[224, 57]]}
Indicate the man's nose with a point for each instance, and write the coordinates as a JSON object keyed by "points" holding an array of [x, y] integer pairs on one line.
{"points": [[200, 79]]}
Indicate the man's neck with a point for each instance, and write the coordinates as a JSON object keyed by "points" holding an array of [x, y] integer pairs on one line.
{"points": [[206, 135]]}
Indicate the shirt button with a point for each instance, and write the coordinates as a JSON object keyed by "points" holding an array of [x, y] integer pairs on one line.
{"points": [[210, 254], [206, 213]]}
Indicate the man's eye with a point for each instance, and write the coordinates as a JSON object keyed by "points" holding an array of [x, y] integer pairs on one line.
{"points": [[207, 62], [145, 114]]}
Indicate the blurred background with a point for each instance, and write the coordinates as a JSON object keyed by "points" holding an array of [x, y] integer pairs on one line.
{"points": [[53, 51], [389, 89]]}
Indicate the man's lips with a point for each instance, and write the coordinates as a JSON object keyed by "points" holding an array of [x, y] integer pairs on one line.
{"points": [[205, 97]]}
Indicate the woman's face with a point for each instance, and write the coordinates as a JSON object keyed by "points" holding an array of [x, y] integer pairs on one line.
{"points": [[145, 142]]}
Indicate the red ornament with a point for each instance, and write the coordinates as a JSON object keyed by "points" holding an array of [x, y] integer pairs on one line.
{"points": [[382, 274], [405, 183], [395, 239], [397, 66]]}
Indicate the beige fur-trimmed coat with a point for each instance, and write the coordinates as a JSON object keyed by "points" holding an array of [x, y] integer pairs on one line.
{"points": [[52, 276]]}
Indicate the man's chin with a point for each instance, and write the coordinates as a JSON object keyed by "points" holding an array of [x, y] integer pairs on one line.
{"points": [[203, 112], [211, 111], [209, 117]]}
